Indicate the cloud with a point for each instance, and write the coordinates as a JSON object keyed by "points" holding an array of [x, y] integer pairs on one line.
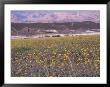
{"points": [[55, 16]]}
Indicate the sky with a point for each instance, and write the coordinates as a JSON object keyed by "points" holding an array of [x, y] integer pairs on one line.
{"points": [[52, 16]]}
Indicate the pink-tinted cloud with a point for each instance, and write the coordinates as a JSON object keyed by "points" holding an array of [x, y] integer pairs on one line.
{"points": [[55, 16]]}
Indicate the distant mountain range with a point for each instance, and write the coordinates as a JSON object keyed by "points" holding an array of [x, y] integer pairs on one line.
{"points": [[54, 28]]}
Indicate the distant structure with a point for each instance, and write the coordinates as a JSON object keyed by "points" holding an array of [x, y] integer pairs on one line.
{"points": [[28, 32]]}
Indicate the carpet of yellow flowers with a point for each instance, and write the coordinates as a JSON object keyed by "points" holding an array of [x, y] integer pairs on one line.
{"points": [[69, 56]]}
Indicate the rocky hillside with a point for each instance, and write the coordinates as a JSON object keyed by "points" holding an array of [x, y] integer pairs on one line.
{"points": [[62, 28]]}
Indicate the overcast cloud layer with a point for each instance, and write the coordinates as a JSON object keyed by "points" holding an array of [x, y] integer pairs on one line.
{"points": [[29, 16]]}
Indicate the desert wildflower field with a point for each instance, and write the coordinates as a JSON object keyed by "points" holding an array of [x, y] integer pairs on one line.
{"points": [[68, 56]]}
